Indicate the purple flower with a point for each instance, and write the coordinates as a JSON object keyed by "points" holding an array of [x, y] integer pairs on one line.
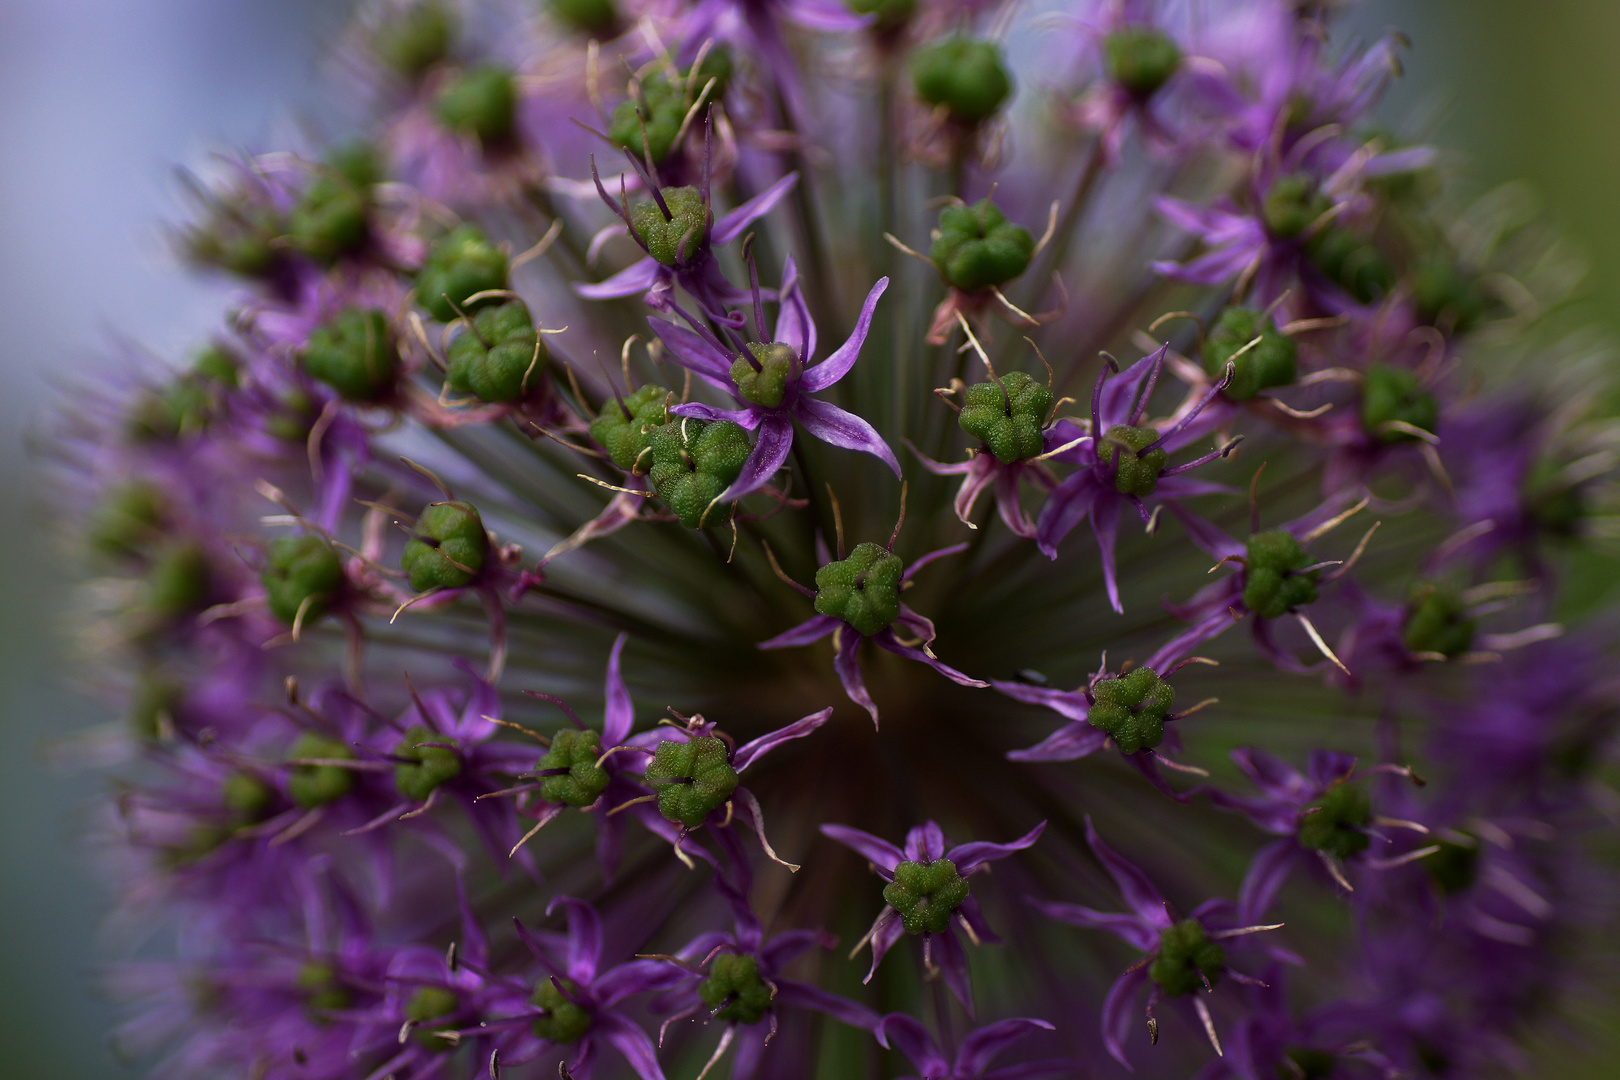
{"points": [[925, 851], [774, 387], [973, 1054]]}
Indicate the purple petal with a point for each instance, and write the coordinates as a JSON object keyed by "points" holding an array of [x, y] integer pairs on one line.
{"points": [[1140, 893], [747, 418], [584, 938], [967, 857], [1068, 505], [973, 915], [1129, 928], [694, 354], [1069, 703], [793, 323], [1116, 1012], [632, 1042], [925, 842], [811, 630], [847, 664], [1072, 740], [1266, 875], [1032, 1070], [878, 852], [1327, 767], [837, 365], [1178, 647], [980, 1048], [826, 15], [1008, 503], [1105, 523], [785, 947], [980, 475], [900, 1032], [836, 427], [770, 451], [887, 640], [636, 977], [890, 931], [633, 280], [749, 1050], [1215, 543], [619, 715], [953, 965], [749, 752], [941, 553], [731, 225], [804, 996]]}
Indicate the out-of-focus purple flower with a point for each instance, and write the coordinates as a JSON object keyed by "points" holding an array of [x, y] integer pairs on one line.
{"points": [[973, 1055]]}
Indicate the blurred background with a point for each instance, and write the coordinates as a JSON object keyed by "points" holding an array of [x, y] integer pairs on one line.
{"points": [[106, 97]]}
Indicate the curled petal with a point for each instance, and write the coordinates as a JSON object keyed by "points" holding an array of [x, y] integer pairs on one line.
{"points": [[1069, 703], [846, 663], [1069, 742], [837, 365], [633, 280], [980, 1048], [1129, 928], [632, 1042], [1139, 892], [619, 714], [798, 995], [1117, 1012], [968, 857], [900, 1032], [878, 852], [770, 451], [693, 353], [750, 752], [811, 630], [887, 640], [925, 843], [836, 427], [584, 938], [953, 966], [747, 418], [793, 323], [1068, 505], [1105, 523], [731, 225]]}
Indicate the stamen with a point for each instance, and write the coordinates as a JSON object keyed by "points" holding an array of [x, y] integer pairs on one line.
{"points": [[838, 519], [1334, 522], [1209, 1024], [725, 1043], [901, 520], [1316, 639]]}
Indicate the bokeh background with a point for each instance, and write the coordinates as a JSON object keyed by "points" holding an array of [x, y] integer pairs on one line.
{"points": [[104, 98]]}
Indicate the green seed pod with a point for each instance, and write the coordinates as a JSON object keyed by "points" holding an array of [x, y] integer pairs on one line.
{"points": [[317, 785], [179, 583], [427, 1004], [1273, 585], [1336, 823], [1131, 708], [1135, 473], [416, 38], [926, 895], [1184, 951], [628, 438], [778, 366], [152, 706], [978, 248], [659, 111], [1352, 263], [129, 521], [500, 357], [594, 18], [1007, 416], [1437, 621], [1141, 59], [460, 264], [293, 416], [676, 238], [863, 590], [247, 798], [481, 102], [323, 992], [1307, 1063], [1273, 362], [693, 462], [448, 547], [432, 765], [734, 991], [575, 750], [1445, 296], [1456, 865], [563, 1022], [301, 573], [238, 236], [692, 779], [330, 219], [1394, 393], [1292, 205], [966, 76], [354, 353], [887, 15]]}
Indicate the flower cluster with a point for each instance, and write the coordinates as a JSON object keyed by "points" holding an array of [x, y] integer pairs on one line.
{"points": [[579, 381]]}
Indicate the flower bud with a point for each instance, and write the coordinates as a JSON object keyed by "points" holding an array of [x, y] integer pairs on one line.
{"points": [[331, 219], [677, 238], [1135, 473], [595, 18], [978, 248], [323, 993], [1132, 708], [301, 573], [427, 1004], [1394, 393], [431, 765], [1273, 362], [778, 366], [863, 590], [1444, 295], [180, 581], [692, 778], [1141, 59], [1272, 582], [1352, 263], [497, 359], [1437, 621], [354, 353], [1292, 205], [1336, 823], [459, 264], [926, 895], [416, 38], [129, 521], [238, 236], [1007, 416], [1185, 951], [661, 105], [966, 76], [317, 785], [693, 462], [246, 797], [563, 1022], [447, 548], [627, 438], [734, 991], [577, 751], [481, 102]]}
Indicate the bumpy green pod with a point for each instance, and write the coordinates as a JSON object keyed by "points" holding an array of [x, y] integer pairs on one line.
{"points": [[676, 238], [354, 353], [1437, 621], [1272, 583], [693, 462], [863, 590], [427, 1004], [1336, 824], [628, 439], [1141, 59], [596, 18], [1008, 416], [779, 365], [1185, 952], [967, 76], [481, 102], [460, 264], [576, 751], [978, 248], [500, 357], [561, 1022], [1395, 394], [692, 779], [317, 785], [301, 573], [734, 991], [416, 38], [1132, 708], [926, 895], [1273, 362], [448, 548], [429, 766]]}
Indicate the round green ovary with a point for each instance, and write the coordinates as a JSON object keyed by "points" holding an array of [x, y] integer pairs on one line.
{"points": [[1272, 583], [1135, 472], [128, 521], [597, 18], [1352, 263], [460, 264], [179, 582], [354, 353], [564, 1022], [627, 438], [1273, 362], [448, 547], [316, 785], [330, 220], [968, 77], [1445, 295], [301, 573], [430, 765], [1009, 423], [1455, 866], [576, 751], [1336, 823], [1292, 205], [322, 991], [678, 237], [481, 102], [764, 380], [1131, 708], [926, 895], [1184, 951], [499, 357], [1394, 394], [692, 779], [1141, 60], [978, 248], [693, 461], [863, 590], [416, 38], [735, 989], [246, 798], [427, 1004], [1437, 621]]}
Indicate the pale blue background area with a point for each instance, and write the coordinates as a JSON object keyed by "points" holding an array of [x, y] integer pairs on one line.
{"points": [[102, 99]]}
